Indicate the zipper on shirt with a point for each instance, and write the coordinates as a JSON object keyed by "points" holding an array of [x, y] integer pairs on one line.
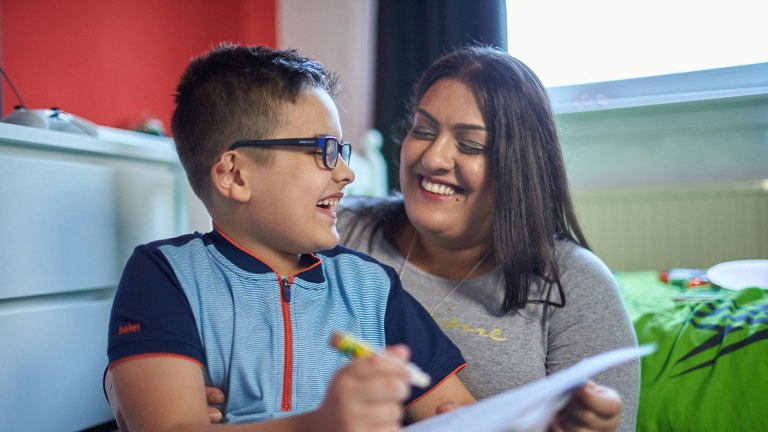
{"points": [[285, 291]]}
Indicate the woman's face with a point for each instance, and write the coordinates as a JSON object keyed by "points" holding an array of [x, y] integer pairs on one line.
{"points": [[444, 166]]}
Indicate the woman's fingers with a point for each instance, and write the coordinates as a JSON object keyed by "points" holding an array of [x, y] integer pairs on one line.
{"points": [[603, 401], [592, 408], [214, 415], [214, 396], [446, 407]]}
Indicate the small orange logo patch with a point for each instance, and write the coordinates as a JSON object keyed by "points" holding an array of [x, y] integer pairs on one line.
{"points": [[129, 328]]}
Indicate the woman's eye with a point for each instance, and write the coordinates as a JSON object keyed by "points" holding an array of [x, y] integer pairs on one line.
{"points": [[471, 147], [421, 133]]}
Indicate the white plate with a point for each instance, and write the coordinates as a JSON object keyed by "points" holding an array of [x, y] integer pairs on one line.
{"points": [[736, 275]]}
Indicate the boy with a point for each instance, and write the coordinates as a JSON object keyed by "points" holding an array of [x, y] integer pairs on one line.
{"points": [[252, 303]]}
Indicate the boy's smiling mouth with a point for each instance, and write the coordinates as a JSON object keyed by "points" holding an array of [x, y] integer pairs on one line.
{"points": [[330, 203]]}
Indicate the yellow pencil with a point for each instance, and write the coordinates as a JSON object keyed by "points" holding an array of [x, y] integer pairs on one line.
{"points": [[353, 347]]}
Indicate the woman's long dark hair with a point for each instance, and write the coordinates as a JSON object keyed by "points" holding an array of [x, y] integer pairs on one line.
{"points": [[533, 207]]}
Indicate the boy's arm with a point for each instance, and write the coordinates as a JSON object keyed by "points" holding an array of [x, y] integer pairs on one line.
{"points": [[158, 393], [451, 391], [165, 393]]}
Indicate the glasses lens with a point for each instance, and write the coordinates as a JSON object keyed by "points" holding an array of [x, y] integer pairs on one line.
{"points": [[331, 152], [346, 152]]}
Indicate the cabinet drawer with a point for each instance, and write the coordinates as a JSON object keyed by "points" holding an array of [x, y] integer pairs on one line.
{"points": [[52, 361], [59, 230]]}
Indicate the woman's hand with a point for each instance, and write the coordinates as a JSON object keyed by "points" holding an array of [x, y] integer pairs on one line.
{"points": [[591, 408], [215, 398]]}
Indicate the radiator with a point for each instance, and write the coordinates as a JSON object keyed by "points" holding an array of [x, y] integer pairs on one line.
{"points": [[691, 227]]}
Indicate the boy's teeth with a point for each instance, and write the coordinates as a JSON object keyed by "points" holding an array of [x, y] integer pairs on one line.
{"points": [[437, 188], [328, 203]]}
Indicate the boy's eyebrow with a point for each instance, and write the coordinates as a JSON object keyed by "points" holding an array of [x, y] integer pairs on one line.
{"points": [[434, 121]]}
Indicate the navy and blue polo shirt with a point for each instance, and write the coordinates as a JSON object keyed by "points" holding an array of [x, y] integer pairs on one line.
{"points": [[260, 336]]}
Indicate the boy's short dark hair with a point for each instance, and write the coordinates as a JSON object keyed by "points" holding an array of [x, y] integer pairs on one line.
{"points": [[236, 92]]}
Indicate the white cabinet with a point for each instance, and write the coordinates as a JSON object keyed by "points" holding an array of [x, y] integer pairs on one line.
{"points": [[60, 227], [72, 208], [53, 358]]}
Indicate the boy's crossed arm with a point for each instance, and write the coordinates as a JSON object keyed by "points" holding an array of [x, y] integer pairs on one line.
{"points": [[167, 393]]}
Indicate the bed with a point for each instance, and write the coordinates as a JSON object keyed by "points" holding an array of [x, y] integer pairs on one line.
{"points": [[710, 370]]}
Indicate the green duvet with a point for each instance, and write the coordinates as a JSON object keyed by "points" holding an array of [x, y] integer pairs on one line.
{"points": [[710, 370]]}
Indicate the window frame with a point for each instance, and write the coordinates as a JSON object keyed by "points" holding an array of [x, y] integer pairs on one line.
{"points": [[743, 81]]}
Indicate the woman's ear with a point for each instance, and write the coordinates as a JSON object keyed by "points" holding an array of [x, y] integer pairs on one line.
{"points": [[229, 177]]}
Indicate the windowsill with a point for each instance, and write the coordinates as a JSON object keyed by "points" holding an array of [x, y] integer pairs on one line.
{"points": [[738, 82]]}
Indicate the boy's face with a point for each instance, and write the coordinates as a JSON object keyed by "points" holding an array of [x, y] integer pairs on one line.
{"points": [[294, 200]]}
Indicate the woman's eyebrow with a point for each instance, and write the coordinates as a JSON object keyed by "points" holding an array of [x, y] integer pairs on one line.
{"points": [[430, 118], [469, 126], [434, 121]]}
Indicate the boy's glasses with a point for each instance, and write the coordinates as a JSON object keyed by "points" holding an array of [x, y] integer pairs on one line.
{"points": [[331, 146]]}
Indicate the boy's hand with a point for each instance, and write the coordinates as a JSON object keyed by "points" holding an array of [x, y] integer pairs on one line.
{"points": [[592, 408], [367, 394]]}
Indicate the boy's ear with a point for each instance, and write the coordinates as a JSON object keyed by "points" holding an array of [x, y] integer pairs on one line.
{"points": [[229, 177]]}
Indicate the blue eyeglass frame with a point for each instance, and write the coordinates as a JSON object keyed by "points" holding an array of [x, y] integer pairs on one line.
{"points": [[331, 146]]}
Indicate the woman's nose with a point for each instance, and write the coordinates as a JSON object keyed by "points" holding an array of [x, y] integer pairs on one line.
{"points": [[438, 156]]}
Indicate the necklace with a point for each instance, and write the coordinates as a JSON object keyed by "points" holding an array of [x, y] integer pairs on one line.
{"points": [[474, 267]]}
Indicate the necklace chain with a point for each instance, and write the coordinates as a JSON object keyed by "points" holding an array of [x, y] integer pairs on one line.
{"points": [[474, 267]]}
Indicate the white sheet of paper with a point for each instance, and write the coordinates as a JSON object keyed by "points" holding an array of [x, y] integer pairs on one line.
{"points": [[531, 407]]}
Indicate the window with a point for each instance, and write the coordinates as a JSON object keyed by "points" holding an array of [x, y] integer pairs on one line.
{"points": [[598, 53]]}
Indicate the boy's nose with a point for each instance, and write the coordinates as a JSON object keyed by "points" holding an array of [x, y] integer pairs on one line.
{"points": [[343, 173]]}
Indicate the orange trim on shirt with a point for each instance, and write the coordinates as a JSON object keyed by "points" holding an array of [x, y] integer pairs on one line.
{"points": [[234, 243], [140, 356], [285, 403], [317, 263], [455, 371]]}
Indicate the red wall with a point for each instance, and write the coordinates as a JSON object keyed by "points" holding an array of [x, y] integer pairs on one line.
{"points": [[114, 62]]}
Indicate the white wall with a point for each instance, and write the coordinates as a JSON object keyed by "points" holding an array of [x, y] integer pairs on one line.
{"points": [[341, 35]]}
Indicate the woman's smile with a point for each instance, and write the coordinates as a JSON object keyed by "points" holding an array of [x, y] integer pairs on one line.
{"points": [[437, 188]]}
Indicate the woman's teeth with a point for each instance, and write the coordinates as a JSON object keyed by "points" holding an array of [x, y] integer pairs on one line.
{"points": [[437, 188]]}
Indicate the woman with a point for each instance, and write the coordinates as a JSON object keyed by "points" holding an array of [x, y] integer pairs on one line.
{"points": [[485, 236]]}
